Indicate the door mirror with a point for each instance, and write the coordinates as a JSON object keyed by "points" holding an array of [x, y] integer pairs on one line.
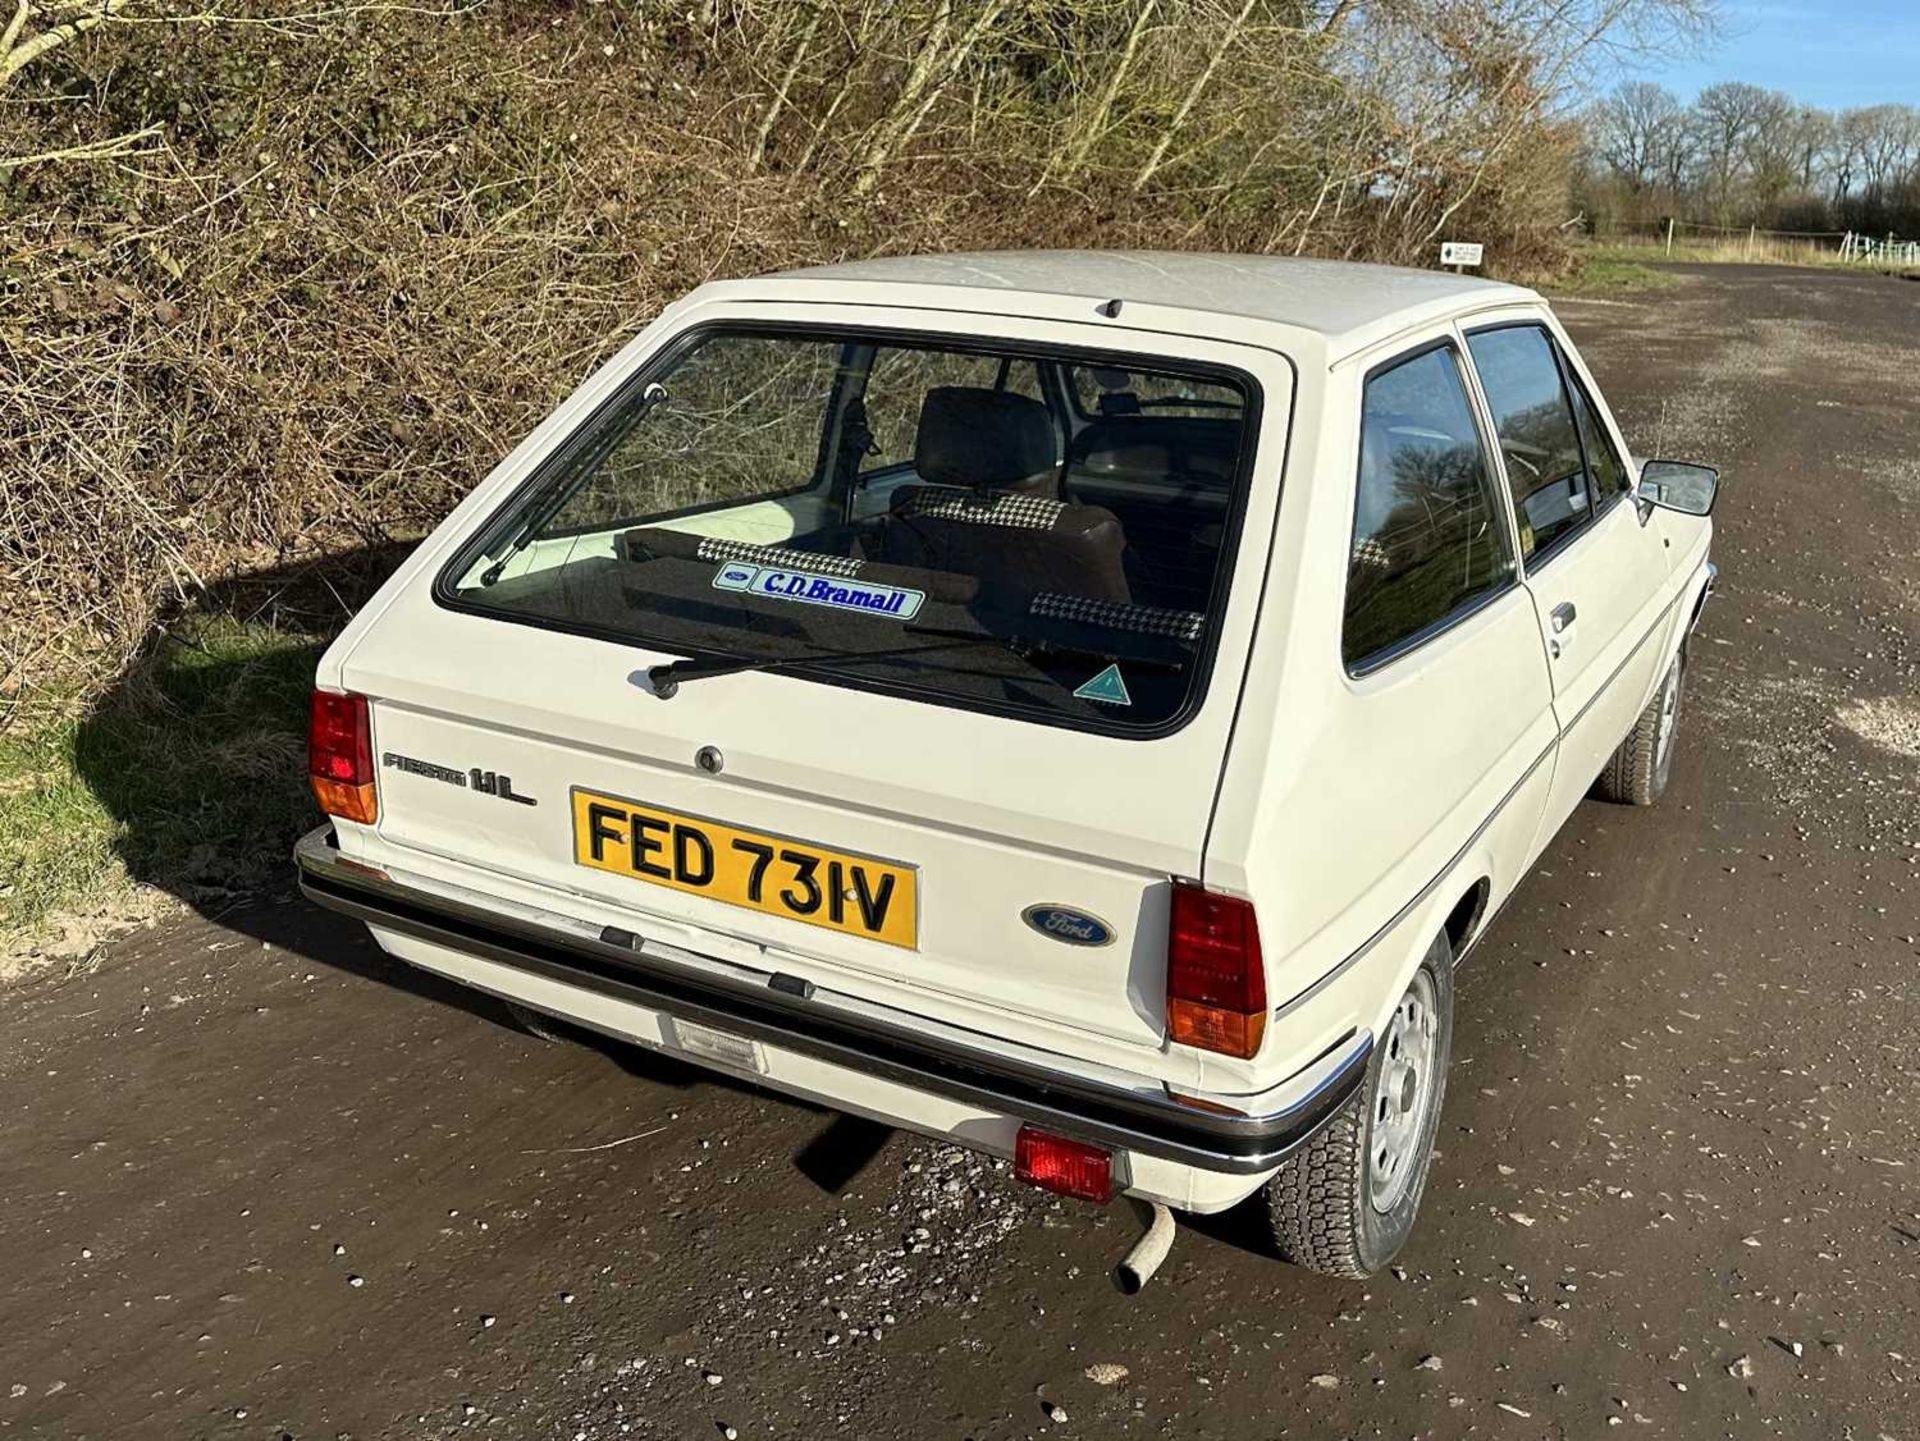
{"points": [[1676, 485]]}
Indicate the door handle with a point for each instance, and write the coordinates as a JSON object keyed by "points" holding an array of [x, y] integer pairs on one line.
{"points": [[1562, 616]]}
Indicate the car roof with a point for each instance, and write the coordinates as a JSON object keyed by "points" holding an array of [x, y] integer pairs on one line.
{"points": [[1350, 304]]}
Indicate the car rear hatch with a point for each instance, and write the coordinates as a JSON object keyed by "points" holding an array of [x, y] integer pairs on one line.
{"points": [[1000, 870], [1090, 825]]}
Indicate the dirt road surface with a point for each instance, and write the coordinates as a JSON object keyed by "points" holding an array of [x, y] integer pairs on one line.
{"points": [[255, 1181]]}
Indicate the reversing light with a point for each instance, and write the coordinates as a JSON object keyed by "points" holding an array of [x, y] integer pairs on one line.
{"points": [[1216, 979], [340, 757], [1069, 1168]]}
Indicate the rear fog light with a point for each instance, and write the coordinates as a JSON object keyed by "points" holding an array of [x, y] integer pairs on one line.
{"points": [[1069, 1168]]}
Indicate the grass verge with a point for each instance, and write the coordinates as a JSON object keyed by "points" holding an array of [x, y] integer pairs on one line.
{"points": [[186, 775], [1600, 273]]}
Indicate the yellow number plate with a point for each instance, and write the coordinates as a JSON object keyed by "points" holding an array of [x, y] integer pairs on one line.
{"points": [[857, 894]]}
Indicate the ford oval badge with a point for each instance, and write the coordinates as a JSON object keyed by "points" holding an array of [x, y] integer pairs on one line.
{"points": [[1063, 923]]}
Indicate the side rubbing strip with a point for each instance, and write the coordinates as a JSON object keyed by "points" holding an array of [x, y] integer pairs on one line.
{"points": [[1425, 891], [1625, 660]]}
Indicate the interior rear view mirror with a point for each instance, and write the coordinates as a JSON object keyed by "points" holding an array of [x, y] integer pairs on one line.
{"points": [[1677, 485]]}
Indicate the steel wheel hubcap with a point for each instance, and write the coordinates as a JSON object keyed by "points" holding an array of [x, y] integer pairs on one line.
{"points": [[1403, 1096]]}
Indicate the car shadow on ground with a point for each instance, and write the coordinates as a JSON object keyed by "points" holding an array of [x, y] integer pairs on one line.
{"points": [[289, 924], [197, 753]]}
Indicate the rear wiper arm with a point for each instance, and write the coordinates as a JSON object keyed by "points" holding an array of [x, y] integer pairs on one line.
{"points": [[665, 678]]}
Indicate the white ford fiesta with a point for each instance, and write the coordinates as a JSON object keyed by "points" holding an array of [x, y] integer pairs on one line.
{"points": [[1082, 706]]}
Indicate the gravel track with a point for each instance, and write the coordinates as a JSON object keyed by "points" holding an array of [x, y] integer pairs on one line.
{"points": [[256, 1181]]}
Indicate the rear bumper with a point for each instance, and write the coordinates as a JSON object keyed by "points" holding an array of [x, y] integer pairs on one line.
{"points": [[1094, 1104]]}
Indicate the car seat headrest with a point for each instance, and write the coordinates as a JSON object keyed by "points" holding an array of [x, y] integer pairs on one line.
{"points": [[983, 439]]}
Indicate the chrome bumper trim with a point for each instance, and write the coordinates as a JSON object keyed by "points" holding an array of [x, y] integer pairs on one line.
{"points": [[844, 1030]]}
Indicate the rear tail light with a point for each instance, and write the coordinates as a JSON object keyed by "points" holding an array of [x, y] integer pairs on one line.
{"points": [[1216, 981], [340, 757], [1071, 1168]]}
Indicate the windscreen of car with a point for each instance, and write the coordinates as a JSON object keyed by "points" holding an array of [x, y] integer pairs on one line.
{"points": [[943, 519]]}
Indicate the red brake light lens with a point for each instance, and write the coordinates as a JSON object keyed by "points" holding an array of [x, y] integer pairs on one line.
{"points": [[1216, 978], [1069, 1168], [340, 757]]}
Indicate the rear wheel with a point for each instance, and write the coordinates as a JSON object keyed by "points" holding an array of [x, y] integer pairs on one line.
{"points": [[1344, 1203], [1636, 773]]}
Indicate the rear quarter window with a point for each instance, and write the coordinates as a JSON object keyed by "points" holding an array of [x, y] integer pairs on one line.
{"points": [[1429, 539]]}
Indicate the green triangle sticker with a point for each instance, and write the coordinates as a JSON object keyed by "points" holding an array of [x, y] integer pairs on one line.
{"points": [[1108, 687]]}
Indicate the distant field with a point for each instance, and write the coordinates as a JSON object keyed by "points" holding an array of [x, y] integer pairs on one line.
{"points": [[1730, 250], [1633, 264]]}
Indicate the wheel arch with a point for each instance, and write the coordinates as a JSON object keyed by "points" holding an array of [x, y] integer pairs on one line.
{"points": [[1457, 908], [1469, 914]]}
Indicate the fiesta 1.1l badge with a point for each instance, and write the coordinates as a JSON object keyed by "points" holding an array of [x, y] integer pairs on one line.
{"points": [[1063, 923]]}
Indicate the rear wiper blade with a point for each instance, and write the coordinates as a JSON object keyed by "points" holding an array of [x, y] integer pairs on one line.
{"points": [[666, 678]]}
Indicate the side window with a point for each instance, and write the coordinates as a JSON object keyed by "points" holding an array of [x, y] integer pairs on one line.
{"points": [[1428, 536], [1604, 466], [1545, 470]]}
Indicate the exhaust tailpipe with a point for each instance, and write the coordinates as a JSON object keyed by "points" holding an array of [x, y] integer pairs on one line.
{"points": [[1136, 1268]]}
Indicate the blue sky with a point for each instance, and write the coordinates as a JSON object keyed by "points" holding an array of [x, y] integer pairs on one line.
{"points": [[1834, 55]]}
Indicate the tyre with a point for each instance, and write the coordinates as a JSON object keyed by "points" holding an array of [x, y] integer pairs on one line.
{"points": [[537, 1023], [1344, 1203], [1636, 773]]}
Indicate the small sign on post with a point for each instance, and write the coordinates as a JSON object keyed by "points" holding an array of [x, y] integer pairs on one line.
{"points": [[1461, 254]]}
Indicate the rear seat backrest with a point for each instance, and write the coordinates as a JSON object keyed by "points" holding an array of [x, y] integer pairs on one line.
{"points": [[1169, 479], [989, 507]]}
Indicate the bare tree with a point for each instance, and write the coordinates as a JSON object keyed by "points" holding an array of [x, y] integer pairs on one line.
{"points": [[1746, 155], [940, 58], [1885, 141], [1222, 47], [1089, 129], [1636, 131], [1812, 139], [1770, 154], [1726, 118], [799, 49], [39, 27], [33, 30]]}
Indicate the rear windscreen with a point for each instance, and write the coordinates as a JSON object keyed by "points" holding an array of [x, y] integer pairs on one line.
{"points": [[1002, 529]]}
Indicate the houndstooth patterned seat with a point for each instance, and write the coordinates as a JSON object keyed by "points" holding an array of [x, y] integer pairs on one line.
{"points": [[989, 506]]}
